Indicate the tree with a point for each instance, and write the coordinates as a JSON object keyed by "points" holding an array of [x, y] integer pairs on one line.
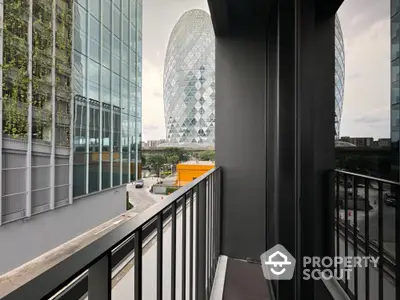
{"points": [[181, 153], [156, 161], [207, 155], [173, 159], [143, 158]]}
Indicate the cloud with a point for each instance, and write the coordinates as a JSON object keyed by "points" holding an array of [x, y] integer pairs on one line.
{"points": [[366, 107], [152, 102], [358, 16], [148, 127], [373, 117], [157, 94]]}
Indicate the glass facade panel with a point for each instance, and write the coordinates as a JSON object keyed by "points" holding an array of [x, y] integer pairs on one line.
{"points": [[395, 7], [395, 86], [107, 13], [94, 8], [97, 60], [116, 22]]}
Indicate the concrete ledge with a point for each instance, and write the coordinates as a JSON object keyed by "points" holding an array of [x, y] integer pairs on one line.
{"points": [[23, 274]]}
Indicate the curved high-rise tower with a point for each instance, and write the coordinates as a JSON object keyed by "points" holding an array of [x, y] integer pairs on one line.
{"points": [[189, 82], [339, 75]]}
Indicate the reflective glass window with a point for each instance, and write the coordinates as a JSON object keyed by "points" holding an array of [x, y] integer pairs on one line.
{"points": [[107, 13], [94, 8], [116, 22]]}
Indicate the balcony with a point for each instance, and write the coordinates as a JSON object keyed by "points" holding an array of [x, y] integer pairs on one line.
{"points": [[274, 184], [178, 236], [173, 251]]}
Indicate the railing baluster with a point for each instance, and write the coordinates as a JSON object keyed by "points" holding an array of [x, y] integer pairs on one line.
{"points": [[183, 248], [355, 249], [208, 234], [366, 236], [219, 222], [346, 226], [99, 284], [159, 256], [213, 228], [200, 282], [138, 264], [337, 219], [173, 247], [380, 236], [397, 233], [191, 242]]}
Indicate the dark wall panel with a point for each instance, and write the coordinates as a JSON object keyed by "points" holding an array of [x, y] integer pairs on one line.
{"points": [[240, 143]]}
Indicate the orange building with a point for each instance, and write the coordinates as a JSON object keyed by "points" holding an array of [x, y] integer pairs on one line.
{"points": [[190, 170]]}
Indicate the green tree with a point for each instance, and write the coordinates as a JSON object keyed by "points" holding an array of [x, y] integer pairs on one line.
{"points": [[181, 153], [143, 159], [156, 161], [207, 155], [173, 159]]}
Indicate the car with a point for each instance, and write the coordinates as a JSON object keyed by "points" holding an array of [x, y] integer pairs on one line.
{"points": [[139, 183], [390, 199]]}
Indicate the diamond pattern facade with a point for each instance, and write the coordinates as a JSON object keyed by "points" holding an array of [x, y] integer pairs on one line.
{"points": [[339, 75], [189, 82]]}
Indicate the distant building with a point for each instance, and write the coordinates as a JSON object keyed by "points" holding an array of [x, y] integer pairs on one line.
{"points": [[152, 144], [339, 75], [365, 142], [189, 82], [190, 170]]}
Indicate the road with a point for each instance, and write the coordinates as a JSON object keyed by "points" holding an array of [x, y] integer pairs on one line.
{"points": [[142, 199]]}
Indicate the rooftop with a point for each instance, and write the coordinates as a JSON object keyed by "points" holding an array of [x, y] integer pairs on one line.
{"points": [[198, 162]]}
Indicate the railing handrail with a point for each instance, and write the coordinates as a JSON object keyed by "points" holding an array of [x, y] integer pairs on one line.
{"points": [[75, 263], [368, 177]]}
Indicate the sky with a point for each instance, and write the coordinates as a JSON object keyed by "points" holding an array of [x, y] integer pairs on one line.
{"points": [[366, 33]]}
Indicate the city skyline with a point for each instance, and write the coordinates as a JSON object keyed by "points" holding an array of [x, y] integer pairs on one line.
{"points": [[366, 32]]}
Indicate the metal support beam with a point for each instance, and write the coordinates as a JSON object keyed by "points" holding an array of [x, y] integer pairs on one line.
{"points": [[72, 118], [88, 116], [53, 108], [28, 207], [101, 104], [1, 106], [121, 145]]}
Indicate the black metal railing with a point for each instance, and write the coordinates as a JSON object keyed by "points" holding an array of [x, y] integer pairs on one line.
{"points": [[366, 223], [88, 271]]}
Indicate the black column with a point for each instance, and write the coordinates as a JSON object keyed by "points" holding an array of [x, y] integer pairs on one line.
{"points": [[300, 135]]}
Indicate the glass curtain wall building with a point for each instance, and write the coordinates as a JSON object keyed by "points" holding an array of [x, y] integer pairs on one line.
{"points": [[107, 93], [189, 82], [395, 87], [71, 98]]}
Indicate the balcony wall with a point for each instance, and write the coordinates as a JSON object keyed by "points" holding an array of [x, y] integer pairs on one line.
{"points": [[26, 239], [240, 142]]}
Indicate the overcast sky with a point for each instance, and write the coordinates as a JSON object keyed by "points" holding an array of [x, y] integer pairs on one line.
{"points": [[366, 31]]}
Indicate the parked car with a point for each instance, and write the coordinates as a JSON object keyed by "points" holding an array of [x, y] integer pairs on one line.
{"points": [[139, 183], [390, 199]]}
